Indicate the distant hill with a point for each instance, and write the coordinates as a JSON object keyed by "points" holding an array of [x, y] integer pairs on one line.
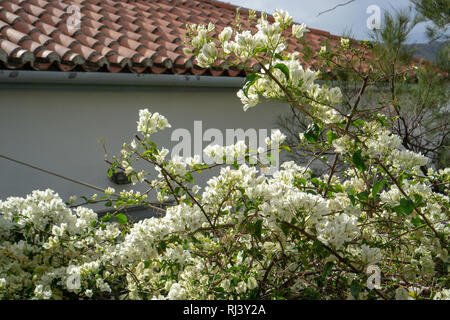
{"points": [[427, 51]]}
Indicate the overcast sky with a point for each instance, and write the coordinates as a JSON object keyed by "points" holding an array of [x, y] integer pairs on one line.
{"points": [[351, 17]]}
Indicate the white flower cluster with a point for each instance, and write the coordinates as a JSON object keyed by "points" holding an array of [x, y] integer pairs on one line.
{"points": [[245, 231], [43, 243], [149, 123], [59, 251], [287, 70], [234, 152], [337, 230]]}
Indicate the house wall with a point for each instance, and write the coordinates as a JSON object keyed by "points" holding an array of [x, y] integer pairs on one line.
{"points": [[57, 128]]}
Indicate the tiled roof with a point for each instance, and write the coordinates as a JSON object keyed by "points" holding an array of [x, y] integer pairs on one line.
{"points": [[141, 36]]}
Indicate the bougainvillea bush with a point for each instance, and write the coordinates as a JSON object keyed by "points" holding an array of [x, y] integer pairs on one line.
{"points": [[374, 226]]}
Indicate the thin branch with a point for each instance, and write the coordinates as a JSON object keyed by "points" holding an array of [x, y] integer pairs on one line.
{"points": [[337, 6]]}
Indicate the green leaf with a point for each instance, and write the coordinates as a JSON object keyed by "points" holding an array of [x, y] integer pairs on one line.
{"points": [[283, 69], [257, 229], [162, 246], [121, 218], [312, 133], [106, 218], [398, 209], [327, 269], [376, 188], [189, 177], [418, 200], [358, 123], [249, 81], [363, 196], [352, 199], [287, 148], [358, 161], [279, 56], [331, 136], [260, 50], [417, 221], [337, 188], [285, 228], [355, 289], [302, 181], [407, 206]]}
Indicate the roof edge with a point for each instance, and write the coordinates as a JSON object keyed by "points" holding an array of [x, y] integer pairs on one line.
{"points": [[103, 78]]}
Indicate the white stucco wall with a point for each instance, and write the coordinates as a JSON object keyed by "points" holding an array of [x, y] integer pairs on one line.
{"points": [[58, 127]]}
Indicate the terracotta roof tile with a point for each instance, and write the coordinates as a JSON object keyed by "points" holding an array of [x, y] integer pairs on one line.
{"points": [[8, 17], [11, 7], [38, 3], [22, 15], [92, 23], [63, 39], [14, 35], [54, 11], [23, 26], [41, 38], [114, 35], [32, 9]]}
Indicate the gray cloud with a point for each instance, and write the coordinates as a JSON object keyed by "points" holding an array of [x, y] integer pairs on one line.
{"points": [[351, 17]]}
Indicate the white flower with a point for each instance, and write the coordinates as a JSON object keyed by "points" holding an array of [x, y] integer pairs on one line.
{"points": [[149, 123], [88, 293], [345, 43], [442, 295], [277, 137], [214, 151], [248, 101], [334, 96], [102, 285], [241, 287], [252, 283], [282, 17], [187, 51], [298, 30], [109, 191], [342, 144], [226, 34], [133, 145], [176, 292], [211, 27], [195, 189], [193, 161], [407, 159], [209, 50], [225, 284], [337, 230]]}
